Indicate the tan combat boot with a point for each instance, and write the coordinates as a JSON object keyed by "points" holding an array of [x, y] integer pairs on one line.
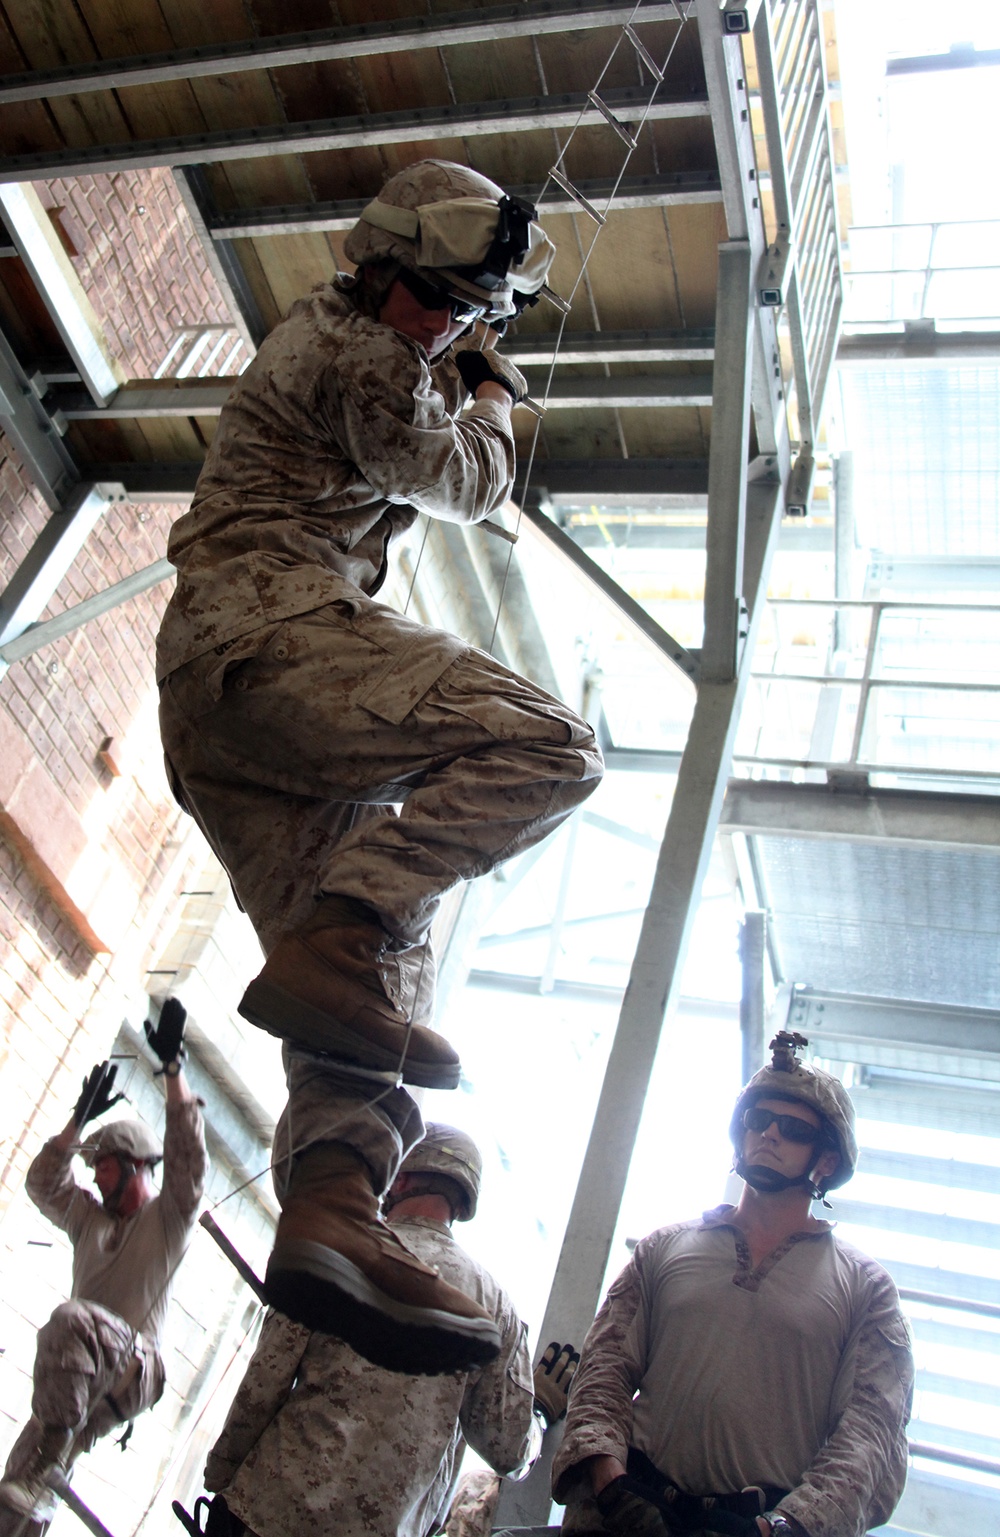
{"points": [[337, 1267], [29, 1493], [342, 984]]}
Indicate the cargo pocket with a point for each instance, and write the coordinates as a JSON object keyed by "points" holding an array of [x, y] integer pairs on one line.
{"points": [[219, 665], [408, 675]]}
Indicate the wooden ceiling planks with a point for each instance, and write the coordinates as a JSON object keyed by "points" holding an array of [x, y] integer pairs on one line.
{"points": [[653, 267]]}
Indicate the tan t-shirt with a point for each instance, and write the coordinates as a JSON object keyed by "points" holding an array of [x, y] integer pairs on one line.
{"points": [[796, 1375], [127, 1264]]}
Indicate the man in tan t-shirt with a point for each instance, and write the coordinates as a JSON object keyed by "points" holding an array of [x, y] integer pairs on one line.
{"points": [[98, 1361], [750, 1372]]}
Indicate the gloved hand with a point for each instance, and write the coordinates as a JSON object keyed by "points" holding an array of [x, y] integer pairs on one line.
{"points": [[211, 1518], [626, 1514], [553, 1378], [97, 1095], [728, 1524], [476, 366], [166, 1038]]}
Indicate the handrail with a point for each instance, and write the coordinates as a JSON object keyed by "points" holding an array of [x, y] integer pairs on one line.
{"points": [[960, 1304], [789, 49], [864, 686]]}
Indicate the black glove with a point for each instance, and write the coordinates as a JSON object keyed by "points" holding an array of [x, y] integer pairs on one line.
{"points": [[211, 1518], [167, 1037], [97, 1095], [626, 1514], [729, 1524], [476, 366], [553, 1377]]}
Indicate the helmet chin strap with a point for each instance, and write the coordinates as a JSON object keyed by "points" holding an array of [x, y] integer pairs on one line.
{"points": [[760, 1177], [126, 1170]]}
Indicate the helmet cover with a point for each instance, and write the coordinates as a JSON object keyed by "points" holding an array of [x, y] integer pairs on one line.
{"points": [[785, 1077], [446, 1150], [130, 1139], [448, 221]]}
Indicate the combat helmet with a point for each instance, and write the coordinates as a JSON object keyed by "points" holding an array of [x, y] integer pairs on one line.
{"points": [[126, 1139], [452, 225], [448, 1151], [787, 1077]]}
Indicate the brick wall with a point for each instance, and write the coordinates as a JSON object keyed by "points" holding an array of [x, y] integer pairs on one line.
{"points": [[116, 834], [145, 274], [137, 256], [96, 865]]}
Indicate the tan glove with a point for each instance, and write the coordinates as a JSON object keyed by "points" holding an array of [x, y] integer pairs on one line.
{"points": [[553, 1378]]}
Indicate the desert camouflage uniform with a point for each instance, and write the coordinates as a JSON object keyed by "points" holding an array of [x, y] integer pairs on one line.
{"points": [[319, 1440], [474, 1505], [98, 1359], [797, 1375], [295, 710]]}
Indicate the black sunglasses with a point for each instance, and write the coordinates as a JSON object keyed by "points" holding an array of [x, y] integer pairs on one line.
{"points": [[792, 1127], [432, 297]]}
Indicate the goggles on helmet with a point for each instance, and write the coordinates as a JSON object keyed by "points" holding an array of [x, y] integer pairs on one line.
{"points": [[792, 1127], [433, 297]]}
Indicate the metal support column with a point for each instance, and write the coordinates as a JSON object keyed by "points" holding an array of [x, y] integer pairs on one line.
{"points": [[746, 541], [652, 991], [752, 1011], [725, 610], [60, 289], [46, 563], [227, 269], [34, 636]]}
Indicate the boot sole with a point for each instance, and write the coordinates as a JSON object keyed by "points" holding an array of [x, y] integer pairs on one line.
{"points": [[319, 1288], [278, 1012]]}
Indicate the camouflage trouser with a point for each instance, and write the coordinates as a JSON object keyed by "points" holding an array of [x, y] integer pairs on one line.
{"points": [[291, 747], [325, 1106], [474, 1504], [92, 1372]]}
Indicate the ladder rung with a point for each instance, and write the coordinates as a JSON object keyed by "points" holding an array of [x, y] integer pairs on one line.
{"points": [[643, 52], [570, 191], [497, 528], [609, 116], [560, 303]]}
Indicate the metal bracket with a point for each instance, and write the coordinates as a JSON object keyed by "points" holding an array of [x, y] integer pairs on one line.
{"points": [[848, 781], [799, 494], [742, 628], [739, 15], [775, 270], [764, 469]]}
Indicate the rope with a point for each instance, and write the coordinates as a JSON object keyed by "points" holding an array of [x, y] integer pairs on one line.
{"points": [[555, 176]]}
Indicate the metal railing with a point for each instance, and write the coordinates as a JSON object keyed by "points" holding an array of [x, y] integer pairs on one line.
{"points": [[789, 49], [202, 351], [894, 267], [862, 687]]}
